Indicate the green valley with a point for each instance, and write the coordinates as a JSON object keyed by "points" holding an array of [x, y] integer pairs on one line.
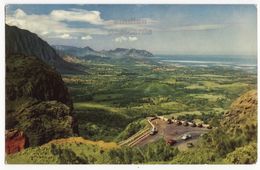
{"points": [[128, 92], [124, 105]]}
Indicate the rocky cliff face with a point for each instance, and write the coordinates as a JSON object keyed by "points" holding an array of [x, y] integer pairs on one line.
{"points": [[19, 41], [14, 141], [37, 101], [28, 77]]}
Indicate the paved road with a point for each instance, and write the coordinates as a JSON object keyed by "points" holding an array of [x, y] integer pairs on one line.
{"points": [[173, 131]]}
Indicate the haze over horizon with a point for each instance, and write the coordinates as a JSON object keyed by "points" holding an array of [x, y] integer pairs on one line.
{"points": [[160, 29]]}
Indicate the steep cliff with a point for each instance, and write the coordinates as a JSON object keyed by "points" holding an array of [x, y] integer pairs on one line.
{"points": [[37, 101], [19, 41]]}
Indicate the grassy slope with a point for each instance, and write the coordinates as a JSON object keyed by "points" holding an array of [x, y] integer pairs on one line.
{"points": [[77, 150], [76, 146]]}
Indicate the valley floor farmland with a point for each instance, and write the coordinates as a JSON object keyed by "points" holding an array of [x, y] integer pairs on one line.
{"points": [[114, 97]]}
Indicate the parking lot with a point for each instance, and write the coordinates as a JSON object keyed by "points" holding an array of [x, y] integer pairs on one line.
{"points": [[174, 132]]}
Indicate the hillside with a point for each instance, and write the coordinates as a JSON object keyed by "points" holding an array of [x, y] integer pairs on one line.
{"points": [[234, 141], [83, 151], [37, 101], [19, 41], [242, 113], [71, 150]]}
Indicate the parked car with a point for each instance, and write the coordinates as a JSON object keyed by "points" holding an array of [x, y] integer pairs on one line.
{"points": [[185, 123], [171, 142], [153, 131], [190, 145], [199, 125], [193, 124], [209, 127], [169, 121], [186, 136], [178, 123]]}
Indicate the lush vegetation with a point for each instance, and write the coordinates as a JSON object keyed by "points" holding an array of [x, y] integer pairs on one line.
{"points": [[111, 102], [217, 147], [220, 147], [115, 93], [233, 141], [37, 101], [243, 155], [82, 151]]}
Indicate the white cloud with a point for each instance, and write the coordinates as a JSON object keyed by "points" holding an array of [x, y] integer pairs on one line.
{"points": [[52, 27], [92, 17], [44, 33], [55, 24], [124, 39], [88, 37], [66, 36], [132, 38], [121, 39], [19, 13]]}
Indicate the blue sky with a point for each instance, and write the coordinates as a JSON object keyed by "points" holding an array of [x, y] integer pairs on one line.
{"points": [[161, 29]]}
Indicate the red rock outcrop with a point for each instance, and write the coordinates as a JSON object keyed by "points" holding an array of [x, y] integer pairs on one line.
{"points": [[14, 141]]}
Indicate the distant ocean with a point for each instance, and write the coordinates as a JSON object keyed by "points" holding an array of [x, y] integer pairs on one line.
{"points": [[210, 60]]}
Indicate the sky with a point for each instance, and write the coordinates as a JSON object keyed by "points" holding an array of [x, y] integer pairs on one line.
{"points": [[160, 29]]}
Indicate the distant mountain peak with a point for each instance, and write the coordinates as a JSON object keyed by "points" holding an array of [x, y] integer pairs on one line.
{"points": [[120, 49], [88, 48], [87, 51]]}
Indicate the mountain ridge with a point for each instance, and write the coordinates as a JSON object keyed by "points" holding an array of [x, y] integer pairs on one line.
{"points": [[114, 53], [21, 41]]}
